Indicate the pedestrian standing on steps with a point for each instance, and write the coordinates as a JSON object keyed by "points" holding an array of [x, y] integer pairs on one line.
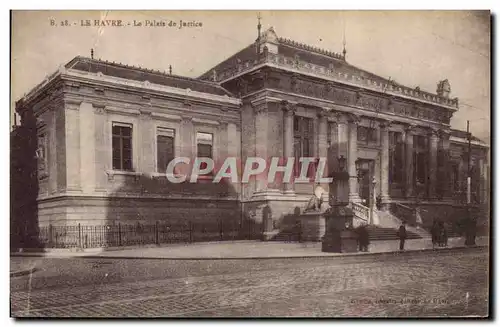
{"points": [[402, 236]]}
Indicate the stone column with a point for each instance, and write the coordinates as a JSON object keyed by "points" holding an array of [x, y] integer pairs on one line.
{"points": [[261, 125], [409, 162], [384, 163], [352, 156], [288, 114], [322, 142], [433, 150], [340, 140], [444, 173]]}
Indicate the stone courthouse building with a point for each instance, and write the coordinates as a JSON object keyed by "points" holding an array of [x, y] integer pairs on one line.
{"points": [[105, 132]]}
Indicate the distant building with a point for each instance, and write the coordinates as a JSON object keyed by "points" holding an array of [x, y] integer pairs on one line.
{"points": [[106, 131]]}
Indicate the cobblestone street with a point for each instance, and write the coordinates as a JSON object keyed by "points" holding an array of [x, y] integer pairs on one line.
{"points": [[434, 283]]}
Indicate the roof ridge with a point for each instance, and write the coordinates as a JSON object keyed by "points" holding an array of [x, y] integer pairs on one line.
{"points": [[148, 70], [311, 48]]}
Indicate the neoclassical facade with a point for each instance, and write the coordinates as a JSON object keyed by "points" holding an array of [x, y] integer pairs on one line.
{"points": [[105, 132]]}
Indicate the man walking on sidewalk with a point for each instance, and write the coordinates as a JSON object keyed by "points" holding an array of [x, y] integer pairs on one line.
{"points": [[402, 236]]}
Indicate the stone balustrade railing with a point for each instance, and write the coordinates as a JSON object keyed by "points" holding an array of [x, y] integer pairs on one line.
{"points": [[360, 211], [331, 73], [403, 212]]}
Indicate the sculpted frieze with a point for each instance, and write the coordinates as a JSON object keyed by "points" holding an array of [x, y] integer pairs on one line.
{"points": [[295, 83]]}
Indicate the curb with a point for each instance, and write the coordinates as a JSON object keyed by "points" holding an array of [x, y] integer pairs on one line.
{"points": [[23, 272], [340, 255]]}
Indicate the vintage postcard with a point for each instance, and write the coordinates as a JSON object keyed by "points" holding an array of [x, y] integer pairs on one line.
{"points": [[250, 164]]}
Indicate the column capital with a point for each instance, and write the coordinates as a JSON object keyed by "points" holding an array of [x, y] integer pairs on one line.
{"points": [[353, 118], [260, 108], [260, 105], [288, 107], [410, 129], [339, 116], [444, 134], [385, 124], [433, 133], [186, 120], [222, 125], [322, 114], [100, 110]]}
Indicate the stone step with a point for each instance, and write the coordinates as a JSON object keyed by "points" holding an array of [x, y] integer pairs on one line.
{"points": [[377, 233]]}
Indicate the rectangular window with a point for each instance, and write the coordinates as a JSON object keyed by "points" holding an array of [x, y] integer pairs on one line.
{"points": [[396, 155], [420, 158], [367, 134], [165, 151], [303, 133], [122, 146], [204, 146]]}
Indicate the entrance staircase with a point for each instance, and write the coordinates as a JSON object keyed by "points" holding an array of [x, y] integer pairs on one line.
{"points": [[388, 227], [385, 227]]}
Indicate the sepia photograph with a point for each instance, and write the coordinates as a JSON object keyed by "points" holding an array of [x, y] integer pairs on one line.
{"points": [[250, 164]]}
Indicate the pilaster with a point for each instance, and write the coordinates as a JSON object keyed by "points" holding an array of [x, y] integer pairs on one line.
{"points": [[446, 189], [409, 187], [87, 147], [147, 141], [188, 147], [289, 110], [72, 133], [352, 156], [260, 109], [433, 151], [102, 148], [384, 162], [322, 144]]}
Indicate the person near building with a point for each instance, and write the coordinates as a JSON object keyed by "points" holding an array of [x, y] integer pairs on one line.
{"points": [[435, 234], [402, 236], [363, 238]]}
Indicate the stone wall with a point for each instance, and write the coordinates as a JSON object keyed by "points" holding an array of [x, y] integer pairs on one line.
{"points": [[98, 211]]}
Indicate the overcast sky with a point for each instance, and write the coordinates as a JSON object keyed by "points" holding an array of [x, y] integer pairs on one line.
{"points": [[416, 48]]}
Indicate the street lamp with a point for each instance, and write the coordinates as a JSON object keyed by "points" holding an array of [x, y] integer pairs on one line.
{"points": [[373, 200]]}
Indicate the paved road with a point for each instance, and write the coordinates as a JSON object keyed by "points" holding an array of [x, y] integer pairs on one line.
{"points": [[452, 283]]}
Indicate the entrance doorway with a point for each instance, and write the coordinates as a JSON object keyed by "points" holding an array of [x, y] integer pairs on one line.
{"points": [[365, 169]]}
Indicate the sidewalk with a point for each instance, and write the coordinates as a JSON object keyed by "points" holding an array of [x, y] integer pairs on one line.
{"points": [[23, 266], [247, 250]]}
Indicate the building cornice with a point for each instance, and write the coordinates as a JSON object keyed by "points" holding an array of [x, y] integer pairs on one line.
{"points": [[76, 77], [460, 140], [307, 69], [333, 106]]}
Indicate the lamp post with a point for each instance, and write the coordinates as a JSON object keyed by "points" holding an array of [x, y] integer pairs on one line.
{"points": [[373, 201]]}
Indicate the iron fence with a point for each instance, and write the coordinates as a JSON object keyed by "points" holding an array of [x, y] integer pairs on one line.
{"points": [[96, 236]]}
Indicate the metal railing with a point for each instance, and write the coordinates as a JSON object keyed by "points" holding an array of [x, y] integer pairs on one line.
{"points": [[117, 235]]}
